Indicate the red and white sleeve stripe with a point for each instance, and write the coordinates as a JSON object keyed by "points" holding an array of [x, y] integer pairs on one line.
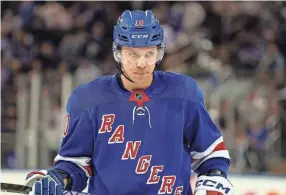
{"points": [[217, 149], [82, 162]]}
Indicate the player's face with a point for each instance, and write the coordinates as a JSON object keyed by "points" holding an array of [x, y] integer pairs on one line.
{"points": [[139, 63]]}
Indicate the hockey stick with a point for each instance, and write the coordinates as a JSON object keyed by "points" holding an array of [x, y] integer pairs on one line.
{"points": [[21, 189], [15, 188]]}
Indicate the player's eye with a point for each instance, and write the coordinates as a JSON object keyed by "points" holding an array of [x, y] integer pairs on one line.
{"points": [[150, 54], [133, 54]]}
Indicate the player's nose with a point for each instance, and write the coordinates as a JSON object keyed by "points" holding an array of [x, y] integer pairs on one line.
{"points": [[141, 63]]}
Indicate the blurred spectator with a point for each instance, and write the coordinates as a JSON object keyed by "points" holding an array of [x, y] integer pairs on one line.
{"points": [[47, 56], [27, 13], [256, 152], [55, 16], [86, 72], [253, 108], [22, 47], [95, 48], [223, 115], [282, 111], [71, 46]]}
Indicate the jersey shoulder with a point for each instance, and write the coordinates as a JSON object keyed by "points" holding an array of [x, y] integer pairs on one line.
{"points": [[180, 86], [90, 94]]}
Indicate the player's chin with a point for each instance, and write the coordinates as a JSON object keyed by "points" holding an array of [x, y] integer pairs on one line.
{"points": [[140, 77]]}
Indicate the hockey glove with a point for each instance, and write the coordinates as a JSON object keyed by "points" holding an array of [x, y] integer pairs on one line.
{"points": [[213, 184], [46, 187], [41, 181]]}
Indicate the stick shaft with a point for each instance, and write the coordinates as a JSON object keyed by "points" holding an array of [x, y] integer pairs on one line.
{"points": [[15, 188], [22, 189]]}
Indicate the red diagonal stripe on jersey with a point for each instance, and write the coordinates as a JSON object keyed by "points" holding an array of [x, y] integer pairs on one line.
{"points": [[88, 169], [36, 172], [220, 146]]}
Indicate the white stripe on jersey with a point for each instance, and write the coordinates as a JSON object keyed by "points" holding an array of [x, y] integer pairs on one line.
{"points": [[82, 162], [220, 153], [217, 149], [199, 155]]}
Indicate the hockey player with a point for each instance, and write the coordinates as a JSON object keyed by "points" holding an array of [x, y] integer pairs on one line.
{"points": [[141, 131]]}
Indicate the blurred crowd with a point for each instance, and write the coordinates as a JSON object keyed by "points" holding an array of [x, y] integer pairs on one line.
{"points": [[206, 40]]}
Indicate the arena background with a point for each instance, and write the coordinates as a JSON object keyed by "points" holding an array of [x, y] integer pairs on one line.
{"points": [[235, 50]]}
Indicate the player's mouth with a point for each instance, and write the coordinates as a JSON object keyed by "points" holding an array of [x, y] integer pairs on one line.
{"points": [[140, 73]]}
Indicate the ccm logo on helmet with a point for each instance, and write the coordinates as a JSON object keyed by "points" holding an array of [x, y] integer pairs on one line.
{"points": [[211, 183], [139, 36]]}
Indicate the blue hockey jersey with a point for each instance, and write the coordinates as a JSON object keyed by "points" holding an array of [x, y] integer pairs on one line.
{"points": [[140, 142]]}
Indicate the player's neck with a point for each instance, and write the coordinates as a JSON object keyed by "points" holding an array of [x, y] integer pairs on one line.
{"points": [[130, 86]]}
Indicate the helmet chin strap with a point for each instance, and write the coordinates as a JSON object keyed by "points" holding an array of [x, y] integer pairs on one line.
{"points": [[121, 71], [126, 76]]}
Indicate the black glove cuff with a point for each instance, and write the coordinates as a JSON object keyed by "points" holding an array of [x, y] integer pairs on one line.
{"points": [[214, 172], [66, 176]]}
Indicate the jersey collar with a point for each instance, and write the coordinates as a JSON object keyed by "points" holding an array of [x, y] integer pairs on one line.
{"points": [[155, 88]]}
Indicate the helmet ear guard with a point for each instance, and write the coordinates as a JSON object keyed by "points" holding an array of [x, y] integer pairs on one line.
{"points": [[161, 52], [116, 52]]}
